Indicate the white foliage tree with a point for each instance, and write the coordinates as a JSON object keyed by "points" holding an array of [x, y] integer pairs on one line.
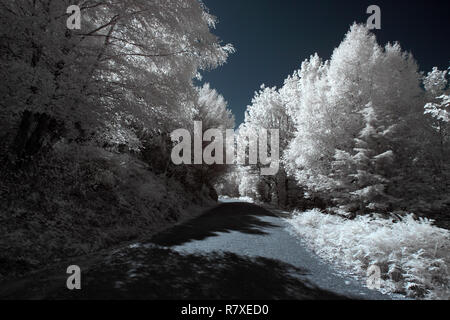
{"points": [[130, 66], [212, 109], [352, 115], [437, 111], [268, 111]]}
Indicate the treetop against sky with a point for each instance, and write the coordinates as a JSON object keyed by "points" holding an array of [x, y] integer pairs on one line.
{"points": [[272, 38]]}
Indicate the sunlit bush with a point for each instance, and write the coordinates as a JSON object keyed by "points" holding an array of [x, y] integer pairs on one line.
{"points": [[413, 255]]}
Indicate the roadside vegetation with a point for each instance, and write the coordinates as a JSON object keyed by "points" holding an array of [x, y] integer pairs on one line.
{"points": [[412, 254], [85, 123]]}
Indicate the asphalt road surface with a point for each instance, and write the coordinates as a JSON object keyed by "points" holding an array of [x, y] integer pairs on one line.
{"points": [[234, 251]]}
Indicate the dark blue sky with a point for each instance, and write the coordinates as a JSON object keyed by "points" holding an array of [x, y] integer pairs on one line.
{"points": [[273, 37]]}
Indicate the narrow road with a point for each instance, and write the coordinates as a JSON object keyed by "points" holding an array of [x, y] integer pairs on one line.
{"points": [[234, 251]]}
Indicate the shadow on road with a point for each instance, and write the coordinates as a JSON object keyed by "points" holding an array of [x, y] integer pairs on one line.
{"points": [[147, 273], [151, 272], [242, 217]]}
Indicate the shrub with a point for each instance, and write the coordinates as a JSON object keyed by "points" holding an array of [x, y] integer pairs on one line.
{"points": [[413, 254]]}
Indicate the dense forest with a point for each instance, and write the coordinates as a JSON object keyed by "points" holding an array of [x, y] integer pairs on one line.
{"points": [[85, 123], [360, 133]]}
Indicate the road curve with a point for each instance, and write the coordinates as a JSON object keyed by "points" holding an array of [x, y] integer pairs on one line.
{"points": [[234, 251]]}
